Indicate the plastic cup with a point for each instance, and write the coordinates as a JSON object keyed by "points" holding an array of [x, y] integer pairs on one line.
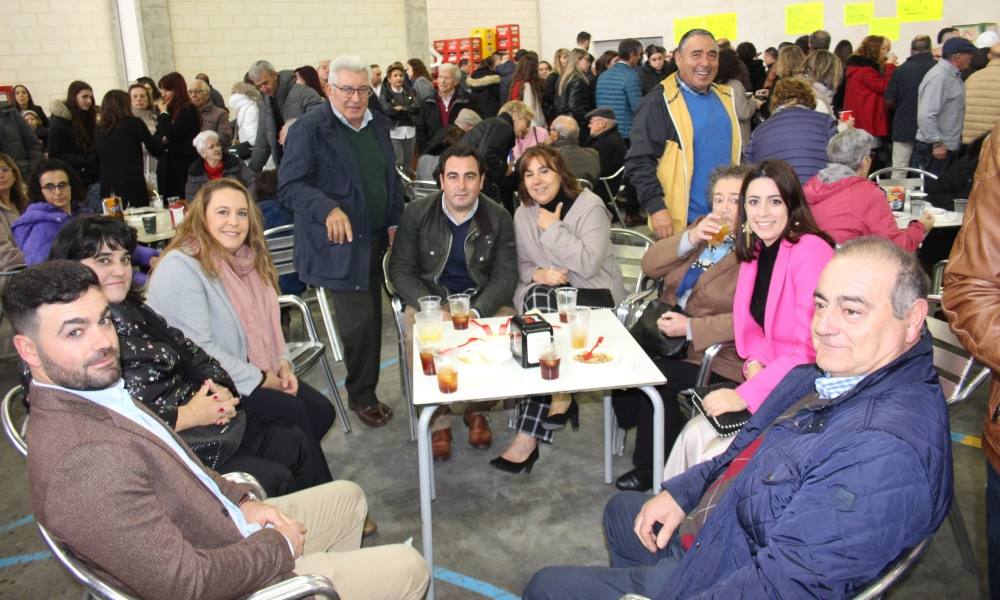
{"points": [[149, 223], [579, 325], [447, 375], [565, 302], [428, 303], [548, 361], [917, 207], [428, 326], [845, 115], [960, 205], [720, 236], [458, 305]]}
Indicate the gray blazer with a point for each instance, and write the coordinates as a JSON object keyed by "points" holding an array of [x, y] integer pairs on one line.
{"points": [[295, 100], [580, 243], [197, 304]]}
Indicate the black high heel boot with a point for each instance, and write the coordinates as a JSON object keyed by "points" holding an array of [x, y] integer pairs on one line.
{"points": [[556, 422], [503, 464]]}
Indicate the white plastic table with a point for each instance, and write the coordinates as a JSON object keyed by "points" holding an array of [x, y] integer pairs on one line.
{"points": [[631, 368], [942, 221]]}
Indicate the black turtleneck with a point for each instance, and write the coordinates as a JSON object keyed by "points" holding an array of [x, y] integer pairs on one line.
{"points": [[766, 257]]}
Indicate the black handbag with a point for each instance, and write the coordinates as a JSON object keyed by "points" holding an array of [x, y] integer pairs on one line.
{"points": [[595, 297], [213, 444], [726, 424], [651, 339]]}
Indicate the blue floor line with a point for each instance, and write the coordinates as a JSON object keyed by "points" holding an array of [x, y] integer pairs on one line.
{"points": [[17, 523], [24, 558], [474, 585]]}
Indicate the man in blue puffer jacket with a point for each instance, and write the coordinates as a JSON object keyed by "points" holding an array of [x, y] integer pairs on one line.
{"points": [[845, 466], [619, 88]]}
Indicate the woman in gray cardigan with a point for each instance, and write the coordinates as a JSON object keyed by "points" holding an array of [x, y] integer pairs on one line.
{"points": [[563, 238], [217, 284]]}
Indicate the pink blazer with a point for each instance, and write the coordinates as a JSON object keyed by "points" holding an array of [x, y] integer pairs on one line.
{"points": [[786, 340]]}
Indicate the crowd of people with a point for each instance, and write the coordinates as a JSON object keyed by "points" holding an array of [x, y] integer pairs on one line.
{"points": [[751, 173]]}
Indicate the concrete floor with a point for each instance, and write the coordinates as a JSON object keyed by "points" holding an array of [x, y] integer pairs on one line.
{"points": [[492, 530]]}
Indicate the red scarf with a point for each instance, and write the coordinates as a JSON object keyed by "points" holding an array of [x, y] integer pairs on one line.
{"points": [[214, 172]]}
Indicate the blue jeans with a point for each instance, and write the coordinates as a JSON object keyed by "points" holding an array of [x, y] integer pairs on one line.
{"points": [[993, 529], [633, 568]]}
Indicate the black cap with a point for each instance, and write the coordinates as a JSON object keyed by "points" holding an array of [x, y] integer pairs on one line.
{"points": [[957, 45], [604, 112]]}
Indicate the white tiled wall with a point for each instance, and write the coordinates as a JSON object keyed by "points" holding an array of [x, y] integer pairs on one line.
{"points": [[457, 18], [45, 44]]}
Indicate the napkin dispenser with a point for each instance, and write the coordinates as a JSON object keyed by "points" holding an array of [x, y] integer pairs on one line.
{"points": [[527, 336]]}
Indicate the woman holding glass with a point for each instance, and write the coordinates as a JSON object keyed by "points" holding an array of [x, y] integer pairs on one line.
{"points": [[781, 252], [217, 284], [563, 239]]}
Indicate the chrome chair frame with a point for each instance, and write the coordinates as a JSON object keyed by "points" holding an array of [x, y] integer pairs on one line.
{"points": [[396, 302], [907, 182], [629, 255], [619, 177]]}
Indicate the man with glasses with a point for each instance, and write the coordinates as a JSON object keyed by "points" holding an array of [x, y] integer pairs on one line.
{"points": [[213, 118], [339, 178], [282, 102]]}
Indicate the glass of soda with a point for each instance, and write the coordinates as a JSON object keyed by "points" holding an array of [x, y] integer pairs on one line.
{"points": [[548, 361]]}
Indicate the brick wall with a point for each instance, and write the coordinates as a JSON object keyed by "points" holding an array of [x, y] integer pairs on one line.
{"points": [[45, 44], [224, 37]]}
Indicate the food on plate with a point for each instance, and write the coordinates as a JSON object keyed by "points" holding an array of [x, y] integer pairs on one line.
{"points": [[595, 358]]}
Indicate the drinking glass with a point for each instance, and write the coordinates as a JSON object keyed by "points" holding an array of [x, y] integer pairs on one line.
{"points": [[458, 304], [430, 303], [960, 205], [428, 325], [447, 374], [426, 350], [579, 323], [720, 236], [548, 361], [565, 302]]}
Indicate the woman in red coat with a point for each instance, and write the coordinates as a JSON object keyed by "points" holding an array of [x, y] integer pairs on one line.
{"points": [[868, 73]]}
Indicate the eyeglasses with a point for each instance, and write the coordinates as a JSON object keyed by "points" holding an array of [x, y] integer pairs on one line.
{"points": [[347, 91], [5, 169], [51, 187], [197, 92]]}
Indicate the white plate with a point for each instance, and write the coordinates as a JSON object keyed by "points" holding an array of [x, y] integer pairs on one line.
{"points": [[484, 354], [934, 210]]}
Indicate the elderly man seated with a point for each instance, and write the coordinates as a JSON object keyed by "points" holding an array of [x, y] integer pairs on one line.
{"points": [[213, 118], [583, 163], [129, 498], [845, 466]]}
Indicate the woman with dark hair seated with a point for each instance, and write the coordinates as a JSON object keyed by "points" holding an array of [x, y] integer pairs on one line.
{"points": [[698, 268], [56, 195], [781, 252], [563, 238], [179, 381]]}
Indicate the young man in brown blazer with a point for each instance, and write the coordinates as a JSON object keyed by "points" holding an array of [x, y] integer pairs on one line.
{"points": [[125, 494]]}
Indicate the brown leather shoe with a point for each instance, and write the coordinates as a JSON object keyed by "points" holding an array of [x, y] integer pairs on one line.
{"points": [[374, 416], [441, 444], [479, 430]]}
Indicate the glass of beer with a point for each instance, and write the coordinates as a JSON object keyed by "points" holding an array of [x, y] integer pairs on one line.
{"points": [[429, 303], [720, 236], [579, 324], [447, 374], [428, 326], [565, 302], [458, 304], [548, 361]]}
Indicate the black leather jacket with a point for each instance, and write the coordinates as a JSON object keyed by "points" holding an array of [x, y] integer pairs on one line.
{"points": [[576, 100], [423, 242]]}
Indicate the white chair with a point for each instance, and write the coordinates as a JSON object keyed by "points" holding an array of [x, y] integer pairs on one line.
{"points": [[305, 354], [629, 247], [396, 301], [613, 185]]}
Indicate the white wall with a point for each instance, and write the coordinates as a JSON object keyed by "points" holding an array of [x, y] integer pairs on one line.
{"points": [[448, 19], [46, 44], [222, 38], [759, 21]]}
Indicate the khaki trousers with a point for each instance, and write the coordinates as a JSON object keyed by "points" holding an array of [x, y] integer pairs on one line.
{"points": [[442, 418], [334, 514]]}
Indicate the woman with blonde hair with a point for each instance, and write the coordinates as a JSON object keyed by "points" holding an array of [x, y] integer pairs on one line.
{"points": [[824, 71], [495, 140], [573, 93], [216, 283], [559, 61]]}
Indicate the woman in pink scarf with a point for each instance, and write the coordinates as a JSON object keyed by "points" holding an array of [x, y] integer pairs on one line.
{"points": [[217, 284]]}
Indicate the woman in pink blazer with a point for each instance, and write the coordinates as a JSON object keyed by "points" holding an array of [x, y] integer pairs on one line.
{"points": [[782, 252]]}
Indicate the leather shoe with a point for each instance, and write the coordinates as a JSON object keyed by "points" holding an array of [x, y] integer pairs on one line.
{"points": [[374, 416], [480, 436], [636, 480], [441, 444]]}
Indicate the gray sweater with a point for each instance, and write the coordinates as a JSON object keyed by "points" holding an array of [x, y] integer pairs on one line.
{"points": [[580, 243], [197, 304]]}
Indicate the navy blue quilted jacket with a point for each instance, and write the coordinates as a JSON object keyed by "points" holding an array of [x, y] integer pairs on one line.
{"points": [[620, 89], [796, 135], [831, 496]]}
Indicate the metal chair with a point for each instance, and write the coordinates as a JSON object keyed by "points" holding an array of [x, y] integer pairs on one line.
{"points": [[416, 189], [613, 185], [585, 184], [875, 589], [960, 375], [396, 301], [913, 183], [629, 247], [305, 354], [15, 433]]}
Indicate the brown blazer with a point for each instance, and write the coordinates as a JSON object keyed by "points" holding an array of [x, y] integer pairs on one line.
{"points": [[710, 303], [126, 505]]}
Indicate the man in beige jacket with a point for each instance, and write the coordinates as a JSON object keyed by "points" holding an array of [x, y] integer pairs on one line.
{"points": [[127, 497]]}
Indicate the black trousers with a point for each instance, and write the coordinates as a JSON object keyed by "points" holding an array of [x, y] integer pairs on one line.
{"points": [[279, 455], [310, 412], [633, 409], [358, 316]]}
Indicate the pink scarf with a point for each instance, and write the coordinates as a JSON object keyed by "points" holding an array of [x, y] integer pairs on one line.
{"points": [[256, 305]]}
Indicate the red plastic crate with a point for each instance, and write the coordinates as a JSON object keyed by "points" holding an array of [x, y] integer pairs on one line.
{"points": [[506, 30], [439, 45]]}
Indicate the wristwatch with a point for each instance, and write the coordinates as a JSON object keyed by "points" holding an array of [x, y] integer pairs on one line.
{"points": [[248, 497]]}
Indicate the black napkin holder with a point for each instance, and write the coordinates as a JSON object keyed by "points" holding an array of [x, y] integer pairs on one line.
{"points": [[528, 334]]}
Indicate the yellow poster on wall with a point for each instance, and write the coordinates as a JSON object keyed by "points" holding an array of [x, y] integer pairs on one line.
{"points": [[858, 13], [887, 27], [803, 18], [909, 11], [722, 25]]}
